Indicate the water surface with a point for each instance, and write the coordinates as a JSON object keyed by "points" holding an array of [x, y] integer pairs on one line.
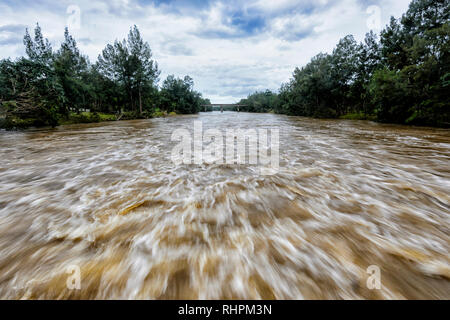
{"points": [[108, 198]]}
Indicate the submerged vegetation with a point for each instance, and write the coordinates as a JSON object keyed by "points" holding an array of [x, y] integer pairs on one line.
{"points": [[402, 76], [48, 88]]}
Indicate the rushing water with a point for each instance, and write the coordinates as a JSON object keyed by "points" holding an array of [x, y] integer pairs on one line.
{"points": [[107, 198]]}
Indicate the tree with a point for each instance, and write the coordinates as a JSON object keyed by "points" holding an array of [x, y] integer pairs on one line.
{"points": [[178, 95], [425, 15], [343, 72], [35, 89], [32, 92], [260, 102], [130, 63], [388, 90], [417, 48], [72, 67], [145, 70], [368, 61], [39, 50], [313, 88], [403, 78], [8, 80], [46, 86], [393, 46]]}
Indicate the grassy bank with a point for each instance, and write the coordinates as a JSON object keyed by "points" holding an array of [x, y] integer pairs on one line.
{"points": [[17, 123], [358, 116], [87, 117]]}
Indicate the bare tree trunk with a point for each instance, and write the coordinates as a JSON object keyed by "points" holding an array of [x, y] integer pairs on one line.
{"points": [[131, 100], [14, 86], [140, 101]]}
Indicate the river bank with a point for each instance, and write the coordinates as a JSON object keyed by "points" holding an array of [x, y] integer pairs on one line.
{"points": [[98, 117], [16, 123]]}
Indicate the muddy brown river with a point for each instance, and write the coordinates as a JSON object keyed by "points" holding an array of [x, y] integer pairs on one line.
{"points": [[108, 199]]}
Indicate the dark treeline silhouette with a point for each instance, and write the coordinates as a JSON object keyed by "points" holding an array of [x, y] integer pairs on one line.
{"points": [[48, 87], [401, 77]]}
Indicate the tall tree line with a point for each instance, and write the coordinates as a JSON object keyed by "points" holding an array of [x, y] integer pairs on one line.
{"points": [[47, 85], [401, 76]]}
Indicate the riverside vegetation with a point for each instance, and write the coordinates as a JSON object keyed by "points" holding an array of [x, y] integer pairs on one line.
{"points": [[48, 88], [402, 76]]}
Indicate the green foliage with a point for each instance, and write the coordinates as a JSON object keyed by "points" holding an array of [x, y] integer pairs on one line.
{"points": [[159, 114], [71, 69], [129, 64], [48, 88], [38, 50], [84, 117], [178, 95], [403, 78], [131, 115], [14, 123], [260, 102], [106, 117], [358, 116]]}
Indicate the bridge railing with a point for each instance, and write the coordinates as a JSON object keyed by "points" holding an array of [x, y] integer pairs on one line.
{"points": [[222, 106]]}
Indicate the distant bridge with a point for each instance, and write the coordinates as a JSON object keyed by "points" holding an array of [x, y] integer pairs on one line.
{"points": [[222, 106]]}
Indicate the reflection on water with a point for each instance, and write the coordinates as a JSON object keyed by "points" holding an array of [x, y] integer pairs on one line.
{"points": [[106, 197]]}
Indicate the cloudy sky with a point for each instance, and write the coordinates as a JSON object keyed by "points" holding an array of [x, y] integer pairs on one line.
{"points": [[230, 48]]}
